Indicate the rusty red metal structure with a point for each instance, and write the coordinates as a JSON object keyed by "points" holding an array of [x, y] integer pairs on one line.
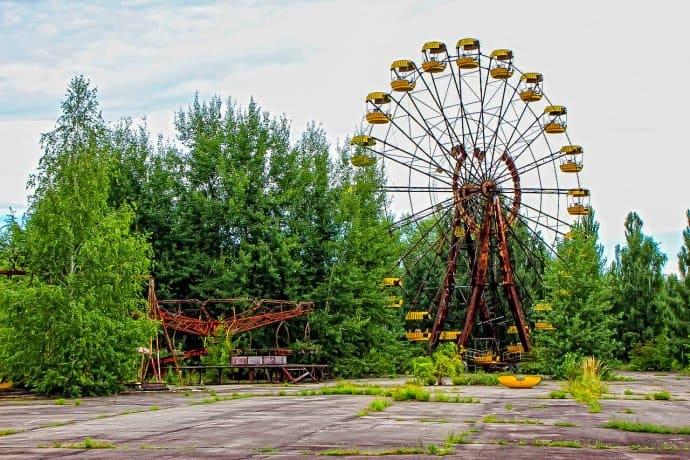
{"points": [[206, 318]]}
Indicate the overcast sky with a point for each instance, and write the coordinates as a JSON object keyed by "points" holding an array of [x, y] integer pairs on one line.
{"points": [[619, 66]]}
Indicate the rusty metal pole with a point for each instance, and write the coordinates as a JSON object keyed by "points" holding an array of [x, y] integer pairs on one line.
{"points": [[479, 270], [507, 281]]}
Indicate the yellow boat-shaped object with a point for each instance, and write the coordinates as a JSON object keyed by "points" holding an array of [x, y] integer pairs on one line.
{"points": [[519, 381], [6, 385]]}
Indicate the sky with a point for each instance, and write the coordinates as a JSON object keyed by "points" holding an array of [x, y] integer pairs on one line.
{"points": [[618, 66]]}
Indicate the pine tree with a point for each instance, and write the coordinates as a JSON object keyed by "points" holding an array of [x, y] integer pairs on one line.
{"points": [[638, 288], [580, 294]]}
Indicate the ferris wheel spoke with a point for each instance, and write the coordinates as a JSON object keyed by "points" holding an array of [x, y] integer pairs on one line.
{"points": [[474, 172], [423, 214], [501, 116], [401, 161], [415, 189], [528, 252], [528, 167], [546, 215], [538, 191], [524, 220], [423, 238], [507, 147]]}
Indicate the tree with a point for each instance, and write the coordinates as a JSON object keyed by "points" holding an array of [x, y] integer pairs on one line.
{"points": [[678, 298], [638, 287], [580, 294], [74, 325], [359, 335]]}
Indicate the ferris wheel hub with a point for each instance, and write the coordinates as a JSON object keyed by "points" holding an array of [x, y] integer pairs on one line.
{"points": [[488, 188]]}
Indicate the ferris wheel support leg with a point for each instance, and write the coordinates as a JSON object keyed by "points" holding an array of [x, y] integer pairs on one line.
{"points": [[478, 280], [507, 281], [448, 286]]}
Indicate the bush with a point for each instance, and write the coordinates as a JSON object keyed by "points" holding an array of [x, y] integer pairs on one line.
{"points": [[444, 362], [655, 355], [410, 392]]}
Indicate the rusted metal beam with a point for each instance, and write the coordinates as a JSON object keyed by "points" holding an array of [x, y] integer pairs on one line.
{"points": [[507, 280]]}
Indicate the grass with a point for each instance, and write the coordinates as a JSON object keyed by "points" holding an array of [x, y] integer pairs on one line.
{"points": [[564, 424], [644, 427], [559, 443], [443, 397], [628, 411], [267, 450], [130, 411], [477, 378], [8, 432], [377, 405], [410, 392], [508, 407], [346, 452], [433, 420], [628, 392], [55, 424], [154, 408], [661, 395], [558, 394], [87, 443], [461, 438], [493, 419], [216, 398], [60, 402]]}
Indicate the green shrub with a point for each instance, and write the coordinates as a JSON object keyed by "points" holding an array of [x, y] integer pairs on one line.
{"points": [[477, 378], [655, 355], [410, 392]]}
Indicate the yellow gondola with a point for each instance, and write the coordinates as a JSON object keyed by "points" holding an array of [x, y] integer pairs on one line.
{"points": [[571, 162], [402, 75], [556, 122], [568, 235], [501, 64], [512, 329], [515, 348], [361, 160], [450, 335], [530, 86], [392, 282], [544, 326], [468, 53], [417, 315], [434, 57], [577, 205], [376, 115], [417, 335], [543, 307]]}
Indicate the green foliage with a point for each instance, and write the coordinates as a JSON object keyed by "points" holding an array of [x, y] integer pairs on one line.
{"points": [[444, 362], [73, 326], [661, 395], [475, 378], [558, 394], [638, 287], [644, 427], [586, 385], [654, 355], [410, 392], [580, 293]]}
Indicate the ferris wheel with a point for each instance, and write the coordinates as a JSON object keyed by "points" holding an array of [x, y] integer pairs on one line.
{"points": [[475, 154]]}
